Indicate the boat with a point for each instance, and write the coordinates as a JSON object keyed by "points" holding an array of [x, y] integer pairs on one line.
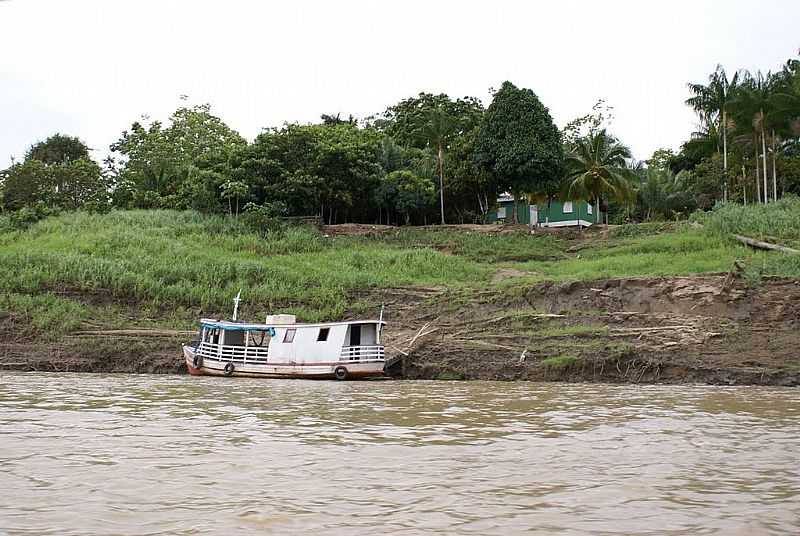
{"points": [[283, 348]]}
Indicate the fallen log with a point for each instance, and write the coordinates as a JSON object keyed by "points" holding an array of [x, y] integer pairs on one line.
{"points": [[132, 333], [758, 244]]}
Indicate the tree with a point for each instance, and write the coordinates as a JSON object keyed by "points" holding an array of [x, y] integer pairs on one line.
{"points": [[469, 185], [56, 173], [233, 190], [155, 159], [661, 159], [663, 195], [519, 144], [712, 103], [433, 121], [25, 184], [79, 184], [414, 194], [599, 118], [597, 167], [752, 105], [325, 169], [58, 149]]}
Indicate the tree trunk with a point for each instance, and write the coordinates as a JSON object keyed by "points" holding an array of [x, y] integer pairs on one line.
{"points": [[514, 214], [724, 156], [764, 158], [758, 176], [597, 217], [774, 169], [744, 186], [441, 180]]}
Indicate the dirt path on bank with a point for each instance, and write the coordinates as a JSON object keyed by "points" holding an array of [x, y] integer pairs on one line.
{"points": [[659, 330]]}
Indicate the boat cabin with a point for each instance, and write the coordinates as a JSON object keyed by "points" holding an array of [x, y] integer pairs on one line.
{"points": [[277, 342]]}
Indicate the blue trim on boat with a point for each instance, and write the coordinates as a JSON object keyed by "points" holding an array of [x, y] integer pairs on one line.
{"points": [[243, 327]]}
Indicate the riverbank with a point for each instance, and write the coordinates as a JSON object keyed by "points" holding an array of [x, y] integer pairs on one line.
{"points": [[650, 330], [655, 303]]}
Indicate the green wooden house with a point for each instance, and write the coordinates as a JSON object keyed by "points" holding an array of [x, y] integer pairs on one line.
{"points": [[555, 214]]}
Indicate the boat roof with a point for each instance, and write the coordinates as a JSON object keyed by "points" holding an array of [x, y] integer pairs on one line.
{"points": [[244, 326]]}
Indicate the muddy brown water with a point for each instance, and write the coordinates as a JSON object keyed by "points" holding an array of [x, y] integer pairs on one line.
{"points": [[135, 455]]}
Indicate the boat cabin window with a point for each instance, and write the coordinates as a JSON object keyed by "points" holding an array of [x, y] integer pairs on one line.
{"points": [[289, 337], [323, 334], [212, 335], [234, 337]]}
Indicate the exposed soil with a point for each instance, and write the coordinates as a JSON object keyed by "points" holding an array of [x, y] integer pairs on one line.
{"points": [[665, 330], [711, 329], [364, 229]]}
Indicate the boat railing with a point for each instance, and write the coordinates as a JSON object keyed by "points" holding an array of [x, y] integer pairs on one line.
{"points": [[356, 353], [235, 354]]}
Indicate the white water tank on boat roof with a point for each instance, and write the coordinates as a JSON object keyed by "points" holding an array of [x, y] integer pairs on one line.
{"points": [[281, 319]]}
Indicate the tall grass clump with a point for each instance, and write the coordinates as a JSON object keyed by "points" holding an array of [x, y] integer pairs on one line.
{"points": [[176, 258], [684, 252], [779, 221]]}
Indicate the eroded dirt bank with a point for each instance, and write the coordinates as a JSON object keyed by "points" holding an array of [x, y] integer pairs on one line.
{"points": [[664, 330]]}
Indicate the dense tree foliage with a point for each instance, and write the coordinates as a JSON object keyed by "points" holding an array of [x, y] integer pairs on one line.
{"points": [[749, 124], [430, 158], [56, 173], [597, 167], [58, 149], [183, 165], [329, 169], [519, 144], [434, 122]]}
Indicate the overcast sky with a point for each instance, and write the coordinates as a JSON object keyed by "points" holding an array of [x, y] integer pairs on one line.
{"points": [[90, 68]]}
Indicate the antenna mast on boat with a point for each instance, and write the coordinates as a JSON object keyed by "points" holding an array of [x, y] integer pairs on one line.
{"points": [[236, 304], [380, 320]]}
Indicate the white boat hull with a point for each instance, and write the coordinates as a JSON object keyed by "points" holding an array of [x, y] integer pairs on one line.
{"points": [[367, 368]]}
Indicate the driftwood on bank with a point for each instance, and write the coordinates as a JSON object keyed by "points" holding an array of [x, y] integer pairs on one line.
{"points": [[133, 333], [758, 244]]}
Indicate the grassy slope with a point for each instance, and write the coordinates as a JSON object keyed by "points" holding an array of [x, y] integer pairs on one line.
{"points": [[173, 265]]}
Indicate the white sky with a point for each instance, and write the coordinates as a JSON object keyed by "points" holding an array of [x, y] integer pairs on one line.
{"points": [[90, 68]]}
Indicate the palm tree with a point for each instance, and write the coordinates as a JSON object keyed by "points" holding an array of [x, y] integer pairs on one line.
{"points": [[436, 131], [752, 106], [712, 103], [597, 167], [784, 118]]}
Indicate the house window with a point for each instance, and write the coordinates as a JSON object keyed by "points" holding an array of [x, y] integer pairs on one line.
{"points": [[289, 337], [589, 208], [323, 334], [501, 213], [567, 207]]}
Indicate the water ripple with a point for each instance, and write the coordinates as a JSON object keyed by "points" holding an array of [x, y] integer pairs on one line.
{"points": [[153, 455]]}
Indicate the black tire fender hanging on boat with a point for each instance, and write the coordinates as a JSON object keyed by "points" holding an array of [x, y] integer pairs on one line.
{"points": [[340, 373], [229, 369], [197, 361]]}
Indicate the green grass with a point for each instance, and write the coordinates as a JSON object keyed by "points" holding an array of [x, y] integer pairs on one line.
{"points": [[45, 312], [172, 266], [643, 229], [479, 246], [773, 222], [181, 258], [679, 253]]}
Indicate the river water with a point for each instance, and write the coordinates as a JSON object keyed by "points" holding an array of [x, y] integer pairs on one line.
{"points": [[151, 455]]}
